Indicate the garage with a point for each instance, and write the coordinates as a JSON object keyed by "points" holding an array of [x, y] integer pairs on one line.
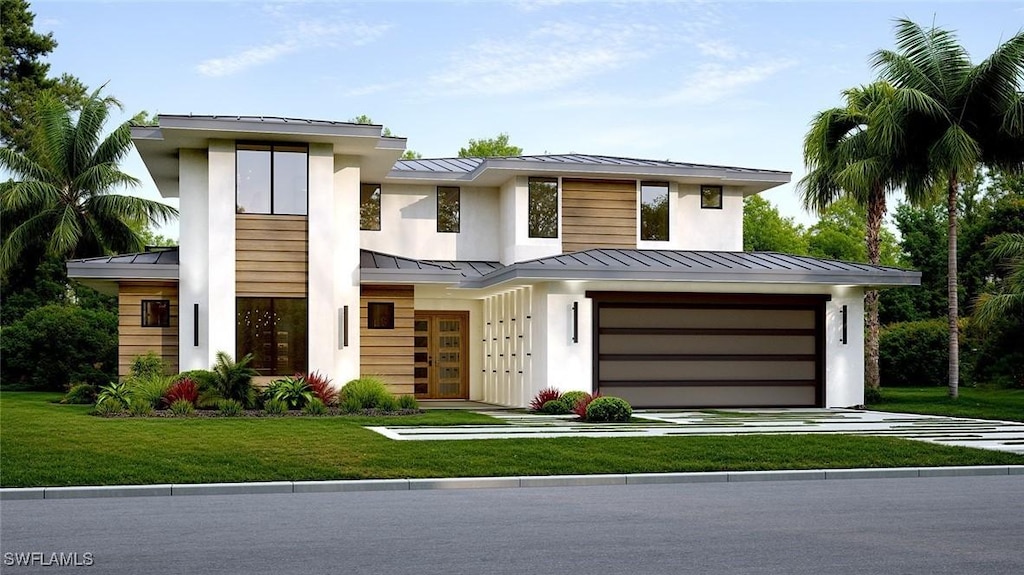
{"points": [[710, 350]]}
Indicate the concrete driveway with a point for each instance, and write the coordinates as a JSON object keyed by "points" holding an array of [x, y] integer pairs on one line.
{"points": [[984, 434]]}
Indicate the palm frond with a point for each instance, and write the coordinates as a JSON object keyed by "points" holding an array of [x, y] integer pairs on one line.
{"points": [[66, 232], [21, 237]]}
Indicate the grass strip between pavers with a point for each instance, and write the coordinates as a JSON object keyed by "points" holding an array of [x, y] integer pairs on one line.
{"points": [[46, 444]]}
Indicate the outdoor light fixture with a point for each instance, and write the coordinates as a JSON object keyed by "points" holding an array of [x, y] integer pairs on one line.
{"points": [[575, 322], [343, 327], [195, 325], [843, 339]]}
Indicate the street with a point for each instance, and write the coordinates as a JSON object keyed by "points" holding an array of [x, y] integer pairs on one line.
{"points": [[927, 525]]}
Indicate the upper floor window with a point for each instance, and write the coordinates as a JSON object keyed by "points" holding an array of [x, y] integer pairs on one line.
{"points": [[447, 209], [543, 216], [711, 197], [271, 179], [654, 211], [369, 207]]}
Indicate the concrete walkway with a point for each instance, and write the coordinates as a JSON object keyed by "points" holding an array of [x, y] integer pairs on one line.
{"points": [[996, 435]]}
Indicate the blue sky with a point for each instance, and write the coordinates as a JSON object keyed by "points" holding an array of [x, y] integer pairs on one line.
{"points": [[727, 83]]}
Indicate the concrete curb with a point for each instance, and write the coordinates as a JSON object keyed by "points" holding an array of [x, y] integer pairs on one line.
{"points": [[341, 486]]}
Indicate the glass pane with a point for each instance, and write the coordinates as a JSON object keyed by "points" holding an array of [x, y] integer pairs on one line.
{"points": [[420, 325], [447, 209], [711, 197], [420, 357], [274, 331], [654, 211], [420, 389], [369, 207], [419, 341], [252, 181], [420, 372], [290, 182], [156, 313], [448, 325], [448, 342], [380, 315], [543, 218]]}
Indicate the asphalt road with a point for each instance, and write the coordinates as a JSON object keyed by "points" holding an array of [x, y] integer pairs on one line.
{"points": [[971, 525]]}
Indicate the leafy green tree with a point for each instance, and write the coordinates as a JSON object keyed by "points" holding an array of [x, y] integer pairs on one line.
{"points": [[765, 230], [497, 147], [61, 204], [23, 74], [955, 116], [386, 132], [1008, 249]]}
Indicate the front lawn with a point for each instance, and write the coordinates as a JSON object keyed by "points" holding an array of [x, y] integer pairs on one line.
{"points": [[979, 402], [45, 444]]}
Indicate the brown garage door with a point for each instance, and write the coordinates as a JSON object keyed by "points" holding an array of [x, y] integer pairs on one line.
{"points": [[700, 350]]}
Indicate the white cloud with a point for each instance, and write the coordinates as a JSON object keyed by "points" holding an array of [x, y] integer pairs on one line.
{"points": [[719, 49], [370, 89], [713, 82], [303, 35], [550, 57]]}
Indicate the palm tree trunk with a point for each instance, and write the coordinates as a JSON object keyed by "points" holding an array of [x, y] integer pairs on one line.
{"points": [[876, 211], [951, 289]]}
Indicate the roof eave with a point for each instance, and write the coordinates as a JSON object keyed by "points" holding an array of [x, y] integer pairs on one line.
{"points": [[117, 272]]}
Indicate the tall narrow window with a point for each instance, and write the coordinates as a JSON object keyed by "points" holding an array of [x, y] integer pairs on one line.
{"points": [[271, 179], [369, 207], [543, 216], [447, 209], [156, 313], [654, 211], [711, 197], [273, 330]]}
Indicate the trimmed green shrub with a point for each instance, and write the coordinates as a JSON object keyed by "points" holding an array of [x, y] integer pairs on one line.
{"points": [[109, 408], [554, 407], [275, 407], [150, 388], [294, 391], [571, 398], [80, 394], [54, 345], [116, 392], [139, 407], [609, 409], [916, 353], [229, 407], [147, 365], [408, 402], [366, 393], [183, 408], [204, 378], [314, 407]]}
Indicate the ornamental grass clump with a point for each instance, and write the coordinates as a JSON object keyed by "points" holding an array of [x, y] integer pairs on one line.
{"points": [[182, 390], [583, 403], [314, 407], [544, 396], [321, 387], [367, 393], [229, 407], [183, 408]]}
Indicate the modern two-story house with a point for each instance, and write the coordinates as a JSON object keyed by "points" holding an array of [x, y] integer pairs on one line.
{"points": [[312, 246]]}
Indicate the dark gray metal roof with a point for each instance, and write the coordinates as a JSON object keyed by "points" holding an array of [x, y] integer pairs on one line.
{"points": [[698, 266], [465, 165], [594, 265], [154, 263], [264, 119]]}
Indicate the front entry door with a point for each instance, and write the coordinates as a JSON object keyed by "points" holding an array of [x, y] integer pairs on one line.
{"points": [[442, 355]]}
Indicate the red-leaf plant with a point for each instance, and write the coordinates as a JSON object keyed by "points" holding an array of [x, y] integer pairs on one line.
{"points": [[581, 405], [321, 387], [183, 389], [545, 395]]}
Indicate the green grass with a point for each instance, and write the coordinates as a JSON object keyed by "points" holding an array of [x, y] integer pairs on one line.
{"points": [[46, 444], [980, 402]]}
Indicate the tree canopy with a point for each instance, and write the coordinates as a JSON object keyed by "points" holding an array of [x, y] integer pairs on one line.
{"points": [[497, 147]]}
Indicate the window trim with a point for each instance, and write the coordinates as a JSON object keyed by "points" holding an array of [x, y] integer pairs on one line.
{"points": [[721, 197], [380, 201], [165, 321], [258, 147], [668, 209], [529, 205], [390, 315], [458, 214]]}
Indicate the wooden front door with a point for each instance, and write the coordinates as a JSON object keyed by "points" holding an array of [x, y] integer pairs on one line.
{"points": [[442, 355]]}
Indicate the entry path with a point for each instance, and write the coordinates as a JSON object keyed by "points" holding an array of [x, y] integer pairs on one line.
{"points": [[980, 433]]}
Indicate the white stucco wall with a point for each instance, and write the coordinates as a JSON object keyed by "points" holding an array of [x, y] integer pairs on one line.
{"points": [[409, 225], [517, 245], [844, 362], [569, 364], [707, 229]]}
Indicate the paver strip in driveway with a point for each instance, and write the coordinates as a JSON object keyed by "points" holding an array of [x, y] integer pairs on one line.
{"points": [[985, 434]]}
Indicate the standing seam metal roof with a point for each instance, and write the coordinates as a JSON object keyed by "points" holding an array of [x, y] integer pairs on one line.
{"points": [[466, 165]]}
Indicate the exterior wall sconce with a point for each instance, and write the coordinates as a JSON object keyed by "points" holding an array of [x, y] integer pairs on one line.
{"points": [[195, 325], [575, 322], [343, 327], [844, 339]]}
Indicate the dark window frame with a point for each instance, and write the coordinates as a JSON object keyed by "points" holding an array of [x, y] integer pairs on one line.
{"points": [[458, 211], [530, 204], [165, 318], [721, 198], [258, 147], [389, 321], [380, 196], [668, 210]]}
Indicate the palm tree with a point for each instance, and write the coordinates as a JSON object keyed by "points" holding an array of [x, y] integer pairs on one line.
{"points": [[62, 203], [846, 158], [1008, 249], [958, 115]]}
